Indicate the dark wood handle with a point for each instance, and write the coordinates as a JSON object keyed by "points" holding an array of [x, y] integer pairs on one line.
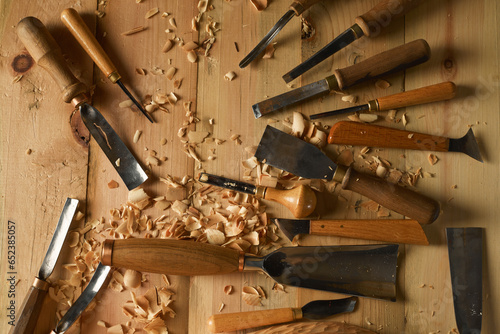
{"points": [[231, 322], [393, 197], [382, 15], [45, 51], [300, 6], [30, 309], [355, 133], [87, 40], [173, 257], [301, 201], [397, 59]]}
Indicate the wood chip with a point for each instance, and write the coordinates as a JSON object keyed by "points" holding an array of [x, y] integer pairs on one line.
{"points": [[228, 289], [260, 5], [350, 98], [368, 118], [192, 56], [152, 12], [404, 119], [132, 279], [382, 84], [170, 73], [167, 46], [113, 184], [137, 135], [251, 296], [269, 52], [433, 159], [191, 45], [172, 22], [134, 31], [229, 76]]}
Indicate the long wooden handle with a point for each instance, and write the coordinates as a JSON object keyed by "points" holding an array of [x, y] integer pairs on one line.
{"points": [[438, 92], [31, 307], [382, 15], [231, 322], [45, 51], [326, 327], [173, 257], [87, 40], [401, 231], [355, 133], [301, 201], [393, 197], [390, 61], [299, 6]]}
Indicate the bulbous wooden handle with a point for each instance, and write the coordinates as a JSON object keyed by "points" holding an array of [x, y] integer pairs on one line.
{"points": [[45, 51], [299, 6], [301, 201], [30, 309]]}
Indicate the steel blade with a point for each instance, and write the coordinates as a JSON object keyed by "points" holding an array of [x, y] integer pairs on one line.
{"points": [[267, 39], [294, 155], [465, 251], [95, 284], [113, 147], [132, 98], [293, 227], [223, 182], [320, 309], [50, 260], [363, 107], [467, 144]]}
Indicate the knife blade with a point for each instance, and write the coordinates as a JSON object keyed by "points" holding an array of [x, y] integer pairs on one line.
{"points": [[465, 252], [369, 24], [295, 156], [314, 310], [390, 61], [31, 307], [401, 231]]}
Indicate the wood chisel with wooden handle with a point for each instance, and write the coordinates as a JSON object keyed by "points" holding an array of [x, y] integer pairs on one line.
{"points": [[434, 93], [363, 270], [45, 51], [301, 201], [387, 62], [315, 310], [369, 24], [32, 305], [355, 133], [73, 21]]}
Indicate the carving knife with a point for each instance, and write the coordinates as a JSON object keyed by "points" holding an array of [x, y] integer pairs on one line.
{"points": [[355, 133], [318, 309], [401, 231], [465, 251], [296, 8], [31, 307], [294, 155], [44, 49], [301, 201], [364, 270], [428, 94], [390, 61], [87, 40], [369, 24]]}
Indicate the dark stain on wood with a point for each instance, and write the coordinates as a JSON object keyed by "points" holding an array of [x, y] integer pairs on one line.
{"points": [[22, 63], [79, 130]]}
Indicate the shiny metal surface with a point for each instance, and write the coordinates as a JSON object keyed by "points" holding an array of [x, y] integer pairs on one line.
{"points": [[319, 309], [467, 144], [363, 107]]}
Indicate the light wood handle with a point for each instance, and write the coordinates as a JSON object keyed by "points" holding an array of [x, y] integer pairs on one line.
{"points": [[87, 40], [231, 322], [393, 197], [301, 201], [401, 231], [45, 51], [299, 6], [360, 134], [382, 15], [175, 257], [439, 92], [30, 309]]}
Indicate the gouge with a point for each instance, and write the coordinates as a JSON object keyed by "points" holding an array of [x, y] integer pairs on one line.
{"points": [[355, 133], [369, 24], [296, 8], [87, 40], [301, 201], [434, 93], [390, 61]]}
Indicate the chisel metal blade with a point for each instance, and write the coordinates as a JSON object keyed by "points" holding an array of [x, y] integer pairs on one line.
{"points": [[467, 144]]}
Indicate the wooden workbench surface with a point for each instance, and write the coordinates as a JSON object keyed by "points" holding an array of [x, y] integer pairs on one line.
{"points": [[42, 163]]}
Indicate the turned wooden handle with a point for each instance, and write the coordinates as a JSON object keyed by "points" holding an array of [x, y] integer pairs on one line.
{"points": [[74, 22], [300, 6], [301, 201], [45, 51], [382, 15], [390, 61], [30, 309], [173, 257], [393, 197], [355, 133], [401, 231], [231, 322]]}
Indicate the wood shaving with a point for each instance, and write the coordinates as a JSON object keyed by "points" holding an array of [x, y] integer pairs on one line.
{"points": [[382, 84], [177, 83], [167, 46], [350, 98], [307, 30], [133, 31], [117, 162], [433, 159], [170, 73], [228, 289], [152, 12], [137, 135], [172, 22], [229, 76], [368, 118], [126, 104], [17, 78], [192, 56], [189, 46], [269, 52], [404, 119], [132, 279], [221, 306], [251, 296]]}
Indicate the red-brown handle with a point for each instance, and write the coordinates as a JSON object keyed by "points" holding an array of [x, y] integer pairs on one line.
{"points": [[31, 307], [301, 201], [299, 6], [361, 134]]}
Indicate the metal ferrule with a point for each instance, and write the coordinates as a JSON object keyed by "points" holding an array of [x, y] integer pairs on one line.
{"points": [[332, 82], [373, 105], [297, 8], [252, 263], [40, 284], [339, 174], [358, 32], [114, 77], [107, 252], [297, 313], [260, 192], [241, 262], [78, 100]]}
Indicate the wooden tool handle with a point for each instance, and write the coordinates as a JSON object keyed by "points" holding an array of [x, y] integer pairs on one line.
{"points": [[231, 322], [87, 40], [44, 49], [439, 92], [300, 6], [393, 197], [326, 327], [301, 201], [167, 256], [361, 134], [397, 59], [31, 307], [382, 15]]}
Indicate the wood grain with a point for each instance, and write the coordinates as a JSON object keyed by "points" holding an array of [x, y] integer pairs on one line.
{"points": [[301, 200]]}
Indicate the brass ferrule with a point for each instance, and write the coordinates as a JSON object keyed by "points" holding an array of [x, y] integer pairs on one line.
{"points": [[40, 284], [107, 252], [114, 77], [241, 261], [297, 313], [78, 100], [339, 174], [297, 8], [373, 105], [358, 32], [332, 82], [260, 192]]}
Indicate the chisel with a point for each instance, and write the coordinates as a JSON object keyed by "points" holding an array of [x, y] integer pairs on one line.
{"points": [[434, 93], [87, 40], [390, 61], [369, 24]]}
